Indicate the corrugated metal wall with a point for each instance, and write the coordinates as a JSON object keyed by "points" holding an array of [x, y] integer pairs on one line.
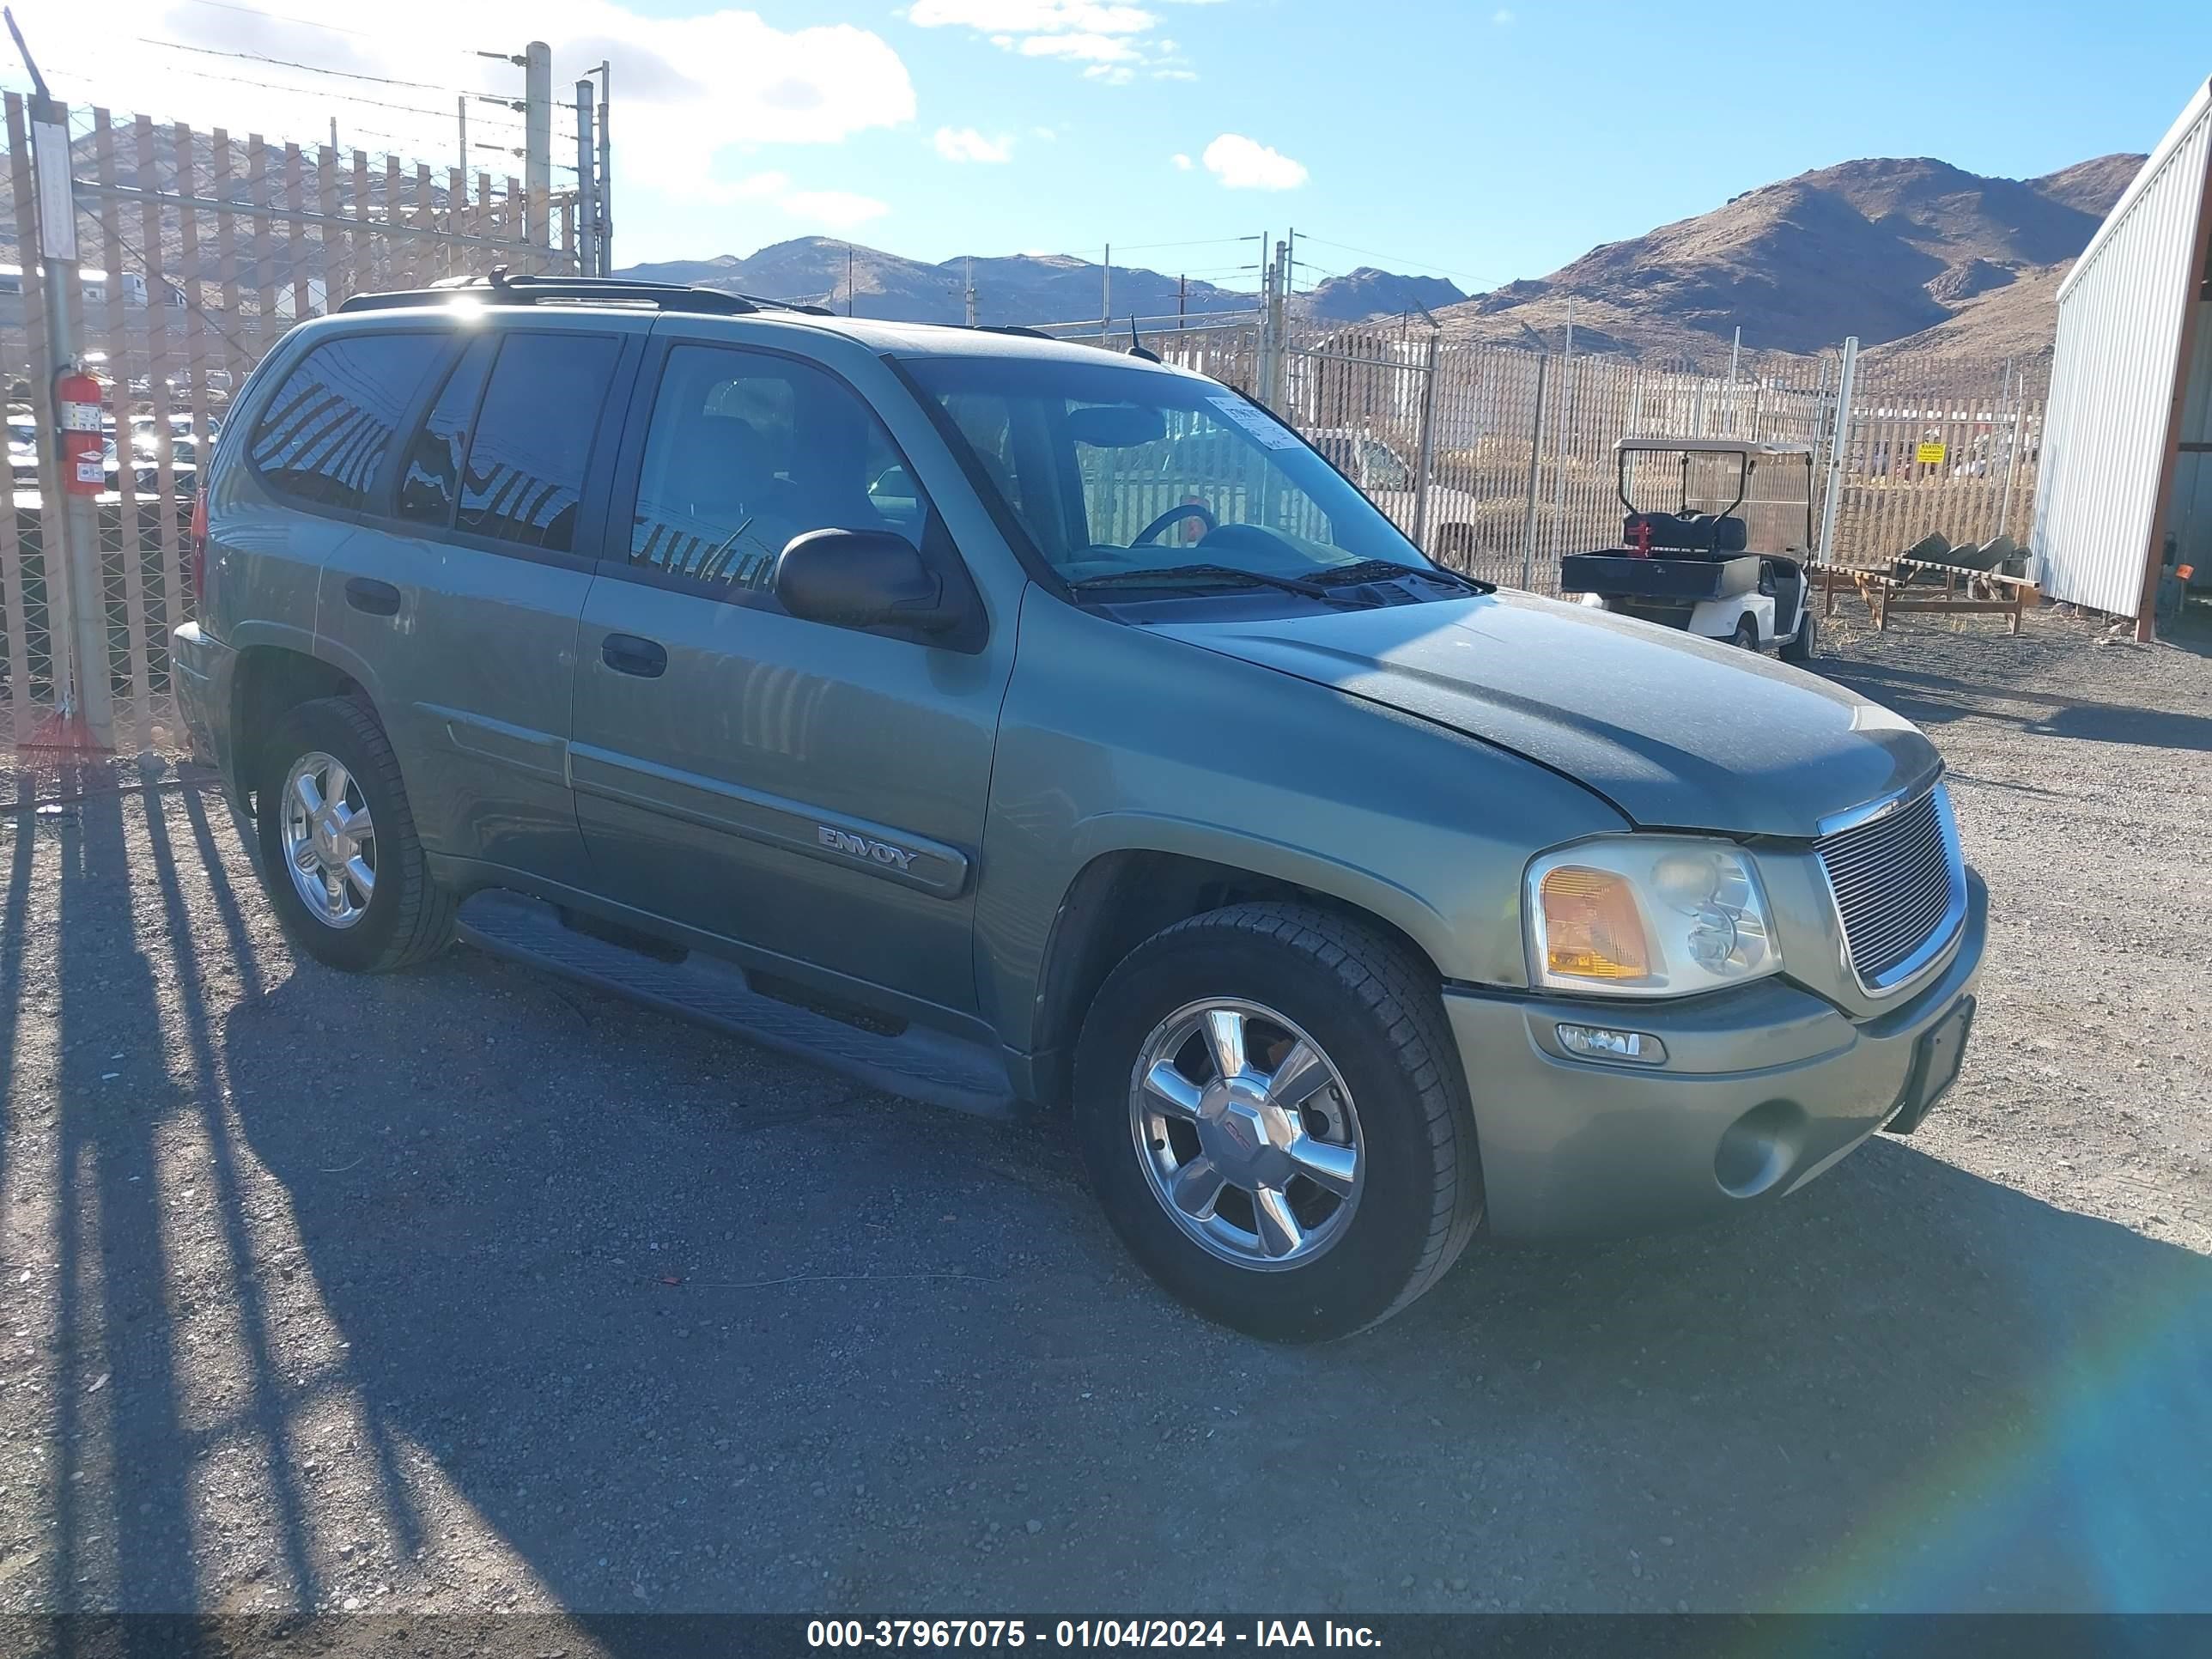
{"points": [[2120, 315]]}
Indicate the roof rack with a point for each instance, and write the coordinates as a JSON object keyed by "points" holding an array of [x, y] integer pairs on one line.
{"points": [[500, 289], [1014, 328]]}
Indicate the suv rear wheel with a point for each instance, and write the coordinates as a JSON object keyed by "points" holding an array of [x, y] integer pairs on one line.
{"points": [[339, 858], [1274, 1120]]}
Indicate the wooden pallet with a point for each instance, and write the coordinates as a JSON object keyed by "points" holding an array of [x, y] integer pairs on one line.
{"points": [[1885, 595]]}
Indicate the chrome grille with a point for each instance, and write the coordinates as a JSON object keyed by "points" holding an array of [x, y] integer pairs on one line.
{"points": [[1898, 886]]}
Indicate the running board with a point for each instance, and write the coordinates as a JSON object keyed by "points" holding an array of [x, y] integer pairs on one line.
{"points": [[919, 1063]]}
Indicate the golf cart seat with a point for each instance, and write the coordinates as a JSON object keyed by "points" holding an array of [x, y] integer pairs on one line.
{"points": [[1689, 532]]}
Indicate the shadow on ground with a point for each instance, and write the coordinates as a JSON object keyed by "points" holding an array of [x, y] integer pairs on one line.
{"points": [[1935, 699], [690, 1329]]}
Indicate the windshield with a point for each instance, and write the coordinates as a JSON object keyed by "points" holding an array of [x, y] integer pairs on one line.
{"points": [[1115, 470]]}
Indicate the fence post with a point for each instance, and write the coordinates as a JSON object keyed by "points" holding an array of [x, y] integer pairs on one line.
{"points": [[587, 194], [1428, 446], [85, 692], [1836, 439], [1270, 321], [537, 141], [1535, 469]]}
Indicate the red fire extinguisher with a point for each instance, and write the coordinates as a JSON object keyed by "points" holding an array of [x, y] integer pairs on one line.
{"points": [[84, 448]]}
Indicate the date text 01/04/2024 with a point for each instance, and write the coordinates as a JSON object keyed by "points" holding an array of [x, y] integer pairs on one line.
{"points": [[1083, 1633]]}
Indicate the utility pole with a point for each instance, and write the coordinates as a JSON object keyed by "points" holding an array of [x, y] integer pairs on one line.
{"points": [[604, 239], [537, 139], [1106, 296], [969, 286], [849, 279], [1273, 397], [334, 138], [461, 108], [587, 210], [1183, 300], [84, 698]]}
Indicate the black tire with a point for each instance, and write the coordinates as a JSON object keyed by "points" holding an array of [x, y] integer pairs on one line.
{"points": [[1376, 1012], [1808, 639], [409, 917], [1747, 632]]}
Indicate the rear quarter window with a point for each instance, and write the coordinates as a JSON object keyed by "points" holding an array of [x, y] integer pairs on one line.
{"points": [[324, 434]]}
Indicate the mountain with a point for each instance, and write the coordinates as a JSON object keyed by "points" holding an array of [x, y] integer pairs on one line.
{"points": [[1021, 287], [1367, 292], [1919, 258], [1889, 249]]}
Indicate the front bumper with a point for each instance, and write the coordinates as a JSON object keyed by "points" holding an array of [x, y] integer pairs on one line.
{"points": [[1763, 1090]]}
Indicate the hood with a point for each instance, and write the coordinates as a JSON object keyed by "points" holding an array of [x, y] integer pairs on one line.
{"points": [[1678, 732]]}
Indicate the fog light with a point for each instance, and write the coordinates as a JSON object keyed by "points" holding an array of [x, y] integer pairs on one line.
{"points": [[1598, 1042]]}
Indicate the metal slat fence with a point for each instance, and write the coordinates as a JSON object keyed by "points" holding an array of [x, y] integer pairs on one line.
{"points": [[197, 250]]}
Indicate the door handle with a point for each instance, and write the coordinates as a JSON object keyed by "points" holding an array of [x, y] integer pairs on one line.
{"points": [[626, 653], [377, 598]]}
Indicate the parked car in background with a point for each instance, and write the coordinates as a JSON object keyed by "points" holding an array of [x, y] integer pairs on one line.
{"points": [[853, 685]]}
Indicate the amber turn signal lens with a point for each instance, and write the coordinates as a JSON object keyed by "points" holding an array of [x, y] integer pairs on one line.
{"points": [[1592, 927]]}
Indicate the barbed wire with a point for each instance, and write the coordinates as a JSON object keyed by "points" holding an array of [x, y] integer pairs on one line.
{"points": [[315, 68]]}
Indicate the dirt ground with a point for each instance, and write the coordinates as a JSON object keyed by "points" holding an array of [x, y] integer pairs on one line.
{"points": [[466, 1290]]}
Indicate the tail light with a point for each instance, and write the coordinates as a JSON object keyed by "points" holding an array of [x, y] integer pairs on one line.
{"points": [[199, 540]]}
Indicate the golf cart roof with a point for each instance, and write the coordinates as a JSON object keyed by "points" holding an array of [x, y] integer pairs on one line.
{"points": [[1707, 447]]}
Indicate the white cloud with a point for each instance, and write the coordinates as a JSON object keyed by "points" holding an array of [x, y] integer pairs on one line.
{"points": [[1503, 17], [1241, 163], [1111, 39], [1031, 16], [1182, 163], [693, 94], [966, 144], [1084, 48], [1044, 133]]}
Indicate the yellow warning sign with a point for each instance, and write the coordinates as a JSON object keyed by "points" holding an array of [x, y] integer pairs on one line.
{"points": [[1930, 454]]}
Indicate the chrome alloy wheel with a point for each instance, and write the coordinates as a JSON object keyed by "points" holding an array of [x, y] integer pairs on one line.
{"points": [[329, 843], [1247, 1134]]}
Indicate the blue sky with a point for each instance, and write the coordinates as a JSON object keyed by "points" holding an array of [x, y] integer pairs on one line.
{"points": [[1488, 140], [1481, 139]]}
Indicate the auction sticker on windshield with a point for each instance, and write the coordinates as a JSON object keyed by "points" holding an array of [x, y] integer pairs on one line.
{"points": [[1257, 421]]}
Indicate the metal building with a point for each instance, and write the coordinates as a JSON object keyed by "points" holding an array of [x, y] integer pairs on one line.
{"points": [[2127, 444]]}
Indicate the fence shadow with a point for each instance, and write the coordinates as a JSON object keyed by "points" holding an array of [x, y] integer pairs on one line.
{"points": [[677, 1326], [1906, 1341]]}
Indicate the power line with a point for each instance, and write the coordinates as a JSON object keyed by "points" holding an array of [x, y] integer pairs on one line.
{"points": [[1396, 260], [312, 69]]}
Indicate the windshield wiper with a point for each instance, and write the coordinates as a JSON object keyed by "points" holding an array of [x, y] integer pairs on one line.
{"points": [[1370, 570], [1299, 585]]}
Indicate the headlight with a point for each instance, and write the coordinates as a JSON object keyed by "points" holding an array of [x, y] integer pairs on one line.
{"points": [[1647, 915]]}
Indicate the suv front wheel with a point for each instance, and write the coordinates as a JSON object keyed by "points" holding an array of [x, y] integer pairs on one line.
{"points": [[339, 858], [1274, 1120]]}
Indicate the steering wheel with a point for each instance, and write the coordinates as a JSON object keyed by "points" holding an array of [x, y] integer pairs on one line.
{"points": [[1187, 510]]}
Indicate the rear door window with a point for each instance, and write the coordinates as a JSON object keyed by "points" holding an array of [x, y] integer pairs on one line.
{"points": [[432, 481], [323, 436], [531, 447]]}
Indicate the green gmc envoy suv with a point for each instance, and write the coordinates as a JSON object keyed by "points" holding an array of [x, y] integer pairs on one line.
{"points": [[1003, 722]]}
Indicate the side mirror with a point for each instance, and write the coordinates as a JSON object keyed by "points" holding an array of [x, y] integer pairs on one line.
{"points": [[861, 579]]}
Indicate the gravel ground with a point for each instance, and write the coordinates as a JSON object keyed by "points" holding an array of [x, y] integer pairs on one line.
{"points": [[467, 1289]]}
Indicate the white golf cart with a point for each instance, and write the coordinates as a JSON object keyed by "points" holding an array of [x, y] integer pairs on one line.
{"points": [[1697, 569]]}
